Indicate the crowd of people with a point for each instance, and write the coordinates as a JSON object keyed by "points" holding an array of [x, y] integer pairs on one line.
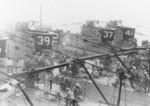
{"points": [[72, 89], [139, 76]]}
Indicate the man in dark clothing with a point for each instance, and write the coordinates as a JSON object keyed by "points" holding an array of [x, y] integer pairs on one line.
{"points": [[77, 91], [62, 60], [29, 77], [84, 54], [28, 65], [74, 102]]}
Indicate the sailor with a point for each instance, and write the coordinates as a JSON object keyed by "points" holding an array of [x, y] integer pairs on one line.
{"points": [[62, 60], [69, 96], [66, 82], [52, 59], [42, 64], [74, 102], [95, 73], [119, 69], [97, 63], [77, 90], [29, 80], [9, 65], [135, 74], [20, 64], [28, 65], [146, 80], [62, 82], [48, 62], [46, 82], [75, 69], [41, 60], [51, 76], [84, 53], [36, 58], [58, 96]]}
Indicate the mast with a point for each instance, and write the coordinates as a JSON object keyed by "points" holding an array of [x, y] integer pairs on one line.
{"points": [[121, 75], [40, 15]]}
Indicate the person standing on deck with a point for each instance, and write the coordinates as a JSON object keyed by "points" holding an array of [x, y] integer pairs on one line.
{"points": [[119, 68], [84, 54], [36, 58], [9, 65], [42, 64], [20, 65], [46, 81], [28, 65], [74, 102], [42, 60], [48, 62], [62, 60], [50, 80], [69, 96], [29, 80]]}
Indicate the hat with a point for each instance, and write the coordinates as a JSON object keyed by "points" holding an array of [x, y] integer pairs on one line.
{"points": [[142, 67], [134, 67], [68, 89], [77, 84]]}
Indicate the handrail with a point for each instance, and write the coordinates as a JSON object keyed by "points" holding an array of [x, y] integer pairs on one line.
{"points": [[116, 96], [13, 101]]}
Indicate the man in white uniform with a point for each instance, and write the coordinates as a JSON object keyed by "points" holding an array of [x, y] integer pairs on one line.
{"points": [[20, 65], [9, 65]]}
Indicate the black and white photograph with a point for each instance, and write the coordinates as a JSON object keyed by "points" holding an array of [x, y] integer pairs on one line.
{"points": [[74, 52]]}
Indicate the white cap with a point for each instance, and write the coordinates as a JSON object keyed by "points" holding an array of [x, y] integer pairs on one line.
{"points": [[134, 67]]}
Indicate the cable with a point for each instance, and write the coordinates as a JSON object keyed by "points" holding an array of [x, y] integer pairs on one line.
{"points": [[113, 95], [25, 102], [26, 96], [107, 22], [85, 40], [125, 91], [94, 83], [146, 28], [78, 23], [142, 34]]}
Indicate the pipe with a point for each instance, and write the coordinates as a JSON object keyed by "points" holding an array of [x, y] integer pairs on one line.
{"points": [[94, 83]]}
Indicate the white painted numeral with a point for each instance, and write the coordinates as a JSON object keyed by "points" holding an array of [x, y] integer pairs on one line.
{"points": [[128, 32], [42, 40], [47, 40], [55, 38], [108, 34]]}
